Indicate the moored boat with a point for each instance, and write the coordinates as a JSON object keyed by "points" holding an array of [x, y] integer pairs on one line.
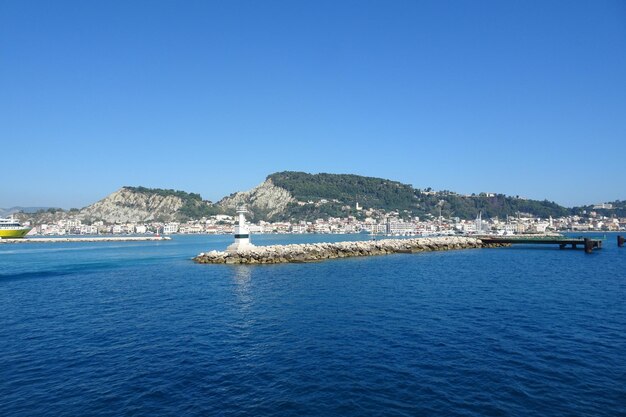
{"points": [[12, 229]]}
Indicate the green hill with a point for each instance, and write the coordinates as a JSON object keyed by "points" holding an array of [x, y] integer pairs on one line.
{"points": [[342, 190], [618, 209], [347, 189], [499, 205]]}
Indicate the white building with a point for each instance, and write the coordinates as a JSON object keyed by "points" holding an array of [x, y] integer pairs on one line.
{"points": [[170, 228]]}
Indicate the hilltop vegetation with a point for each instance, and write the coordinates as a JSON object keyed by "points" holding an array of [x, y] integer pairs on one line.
{"points": [[164, 192], [347, 189], [618, 209], [195, 210], [499, 205]]}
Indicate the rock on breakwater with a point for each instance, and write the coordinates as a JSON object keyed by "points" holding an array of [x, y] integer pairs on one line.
{"points": [[312, 252]]}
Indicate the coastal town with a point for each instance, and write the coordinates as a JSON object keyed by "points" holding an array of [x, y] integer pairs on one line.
{"points": [[390, 224]]}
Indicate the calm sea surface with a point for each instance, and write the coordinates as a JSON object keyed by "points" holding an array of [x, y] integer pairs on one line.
{"points": [[110, 329]]}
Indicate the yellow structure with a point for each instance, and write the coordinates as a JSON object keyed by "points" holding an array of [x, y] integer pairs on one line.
{"points": [[12, 229]]}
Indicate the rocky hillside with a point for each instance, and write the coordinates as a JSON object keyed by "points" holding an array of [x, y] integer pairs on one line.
{"points": [[300, 196], [45, 216], [139, 204], [264, 201]]}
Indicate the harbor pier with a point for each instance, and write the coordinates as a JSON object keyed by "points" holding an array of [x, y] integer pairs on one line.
{"points": [[588, 244]]}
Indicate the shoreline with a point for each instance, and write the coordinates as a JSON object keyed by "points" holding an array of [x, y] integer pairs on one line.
{"points": [[87, 239], [314, 252]]}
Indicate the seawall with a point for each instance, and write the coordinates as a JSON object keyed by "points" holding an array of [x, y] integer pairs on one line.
{"points": [[86, 239], [313, 252]]}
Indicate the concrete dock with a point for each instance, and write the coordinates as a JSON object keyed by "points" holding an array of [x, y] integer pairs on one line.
{"points": [[87, 239], [588, 244]]}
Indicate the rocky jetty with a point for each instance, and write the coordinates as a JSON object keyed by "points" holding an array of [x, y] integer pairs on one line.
{"points": [[313, 252]]}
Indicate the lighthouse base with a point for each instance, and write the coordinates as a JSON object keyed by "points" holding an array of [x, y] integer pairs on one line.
{"points": [[239, 245]]}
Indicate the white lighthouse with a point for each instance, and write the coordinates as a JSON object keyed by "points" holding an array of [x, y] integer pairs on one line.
{"points": [[242, 233]]}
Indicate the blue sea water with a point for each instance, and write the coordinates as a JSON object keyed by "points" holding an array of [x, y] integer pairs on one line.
{"points": [[110, 329]]}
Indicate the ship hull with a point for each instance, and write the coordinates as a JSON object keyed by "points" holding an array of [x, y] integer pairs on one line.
{"points": [[13, 233]]}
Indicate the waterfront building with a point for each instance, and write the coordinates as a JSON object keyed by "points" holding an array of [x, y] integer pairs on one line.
{"points": [[253, 228], [399, 227], [170, 228]]}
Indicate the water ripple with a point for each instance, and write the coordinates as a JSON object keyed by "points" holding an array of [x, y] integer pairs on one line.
{"points": [[138, 331]]}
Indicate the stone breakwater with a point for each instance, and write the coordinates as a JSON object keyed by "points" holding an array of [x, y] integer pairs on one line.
{"points": [[313, 252]]}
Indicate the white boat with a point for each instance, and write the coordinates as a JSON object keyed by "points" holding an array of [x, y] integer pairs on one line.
{"points": [[12, 229]]}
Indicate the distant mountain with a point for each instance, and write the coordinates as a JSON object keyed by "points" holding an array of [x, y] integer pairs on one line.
{"points": [[297, 196], [17, 209]]}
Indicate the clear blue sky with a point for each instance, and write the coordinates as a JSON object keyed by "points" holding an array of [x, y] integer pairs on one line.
{"points": [[519, 97]]}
